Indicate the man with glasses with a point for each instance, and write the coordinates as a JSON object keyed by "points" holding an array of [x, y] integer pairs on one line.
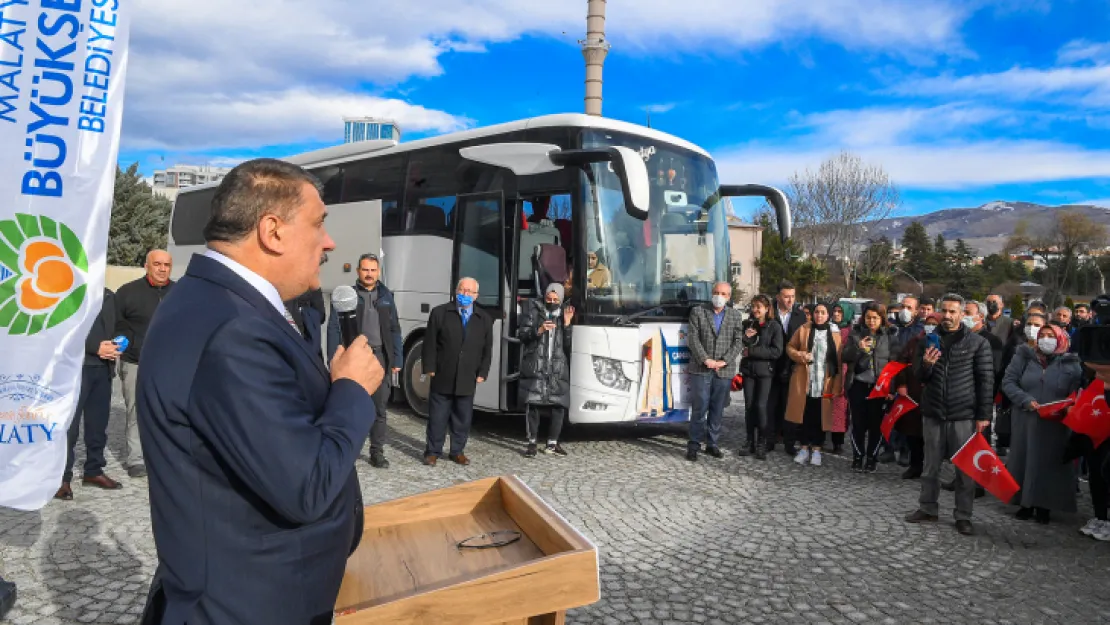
{"points": [[376, 316], [458, 345]]}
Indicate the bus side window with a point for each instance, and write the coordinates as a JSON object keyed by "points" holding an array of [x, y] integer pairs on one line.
{"points": [[377, 179]]}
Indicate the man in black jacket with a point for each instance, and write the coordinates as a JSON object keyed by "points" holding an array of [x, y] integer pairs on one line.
{"points": [[376, 316], [956, 402], [94, 403], [136, 302], [790, 318], [458, 346]]}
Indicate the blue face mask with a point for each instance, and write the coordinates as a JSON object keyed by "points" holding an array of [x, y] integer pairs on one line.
{"points": [[464, 300]]}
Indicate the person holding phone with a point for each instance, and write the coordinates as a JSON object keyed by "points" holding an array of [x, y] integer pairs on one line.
{"points": [[545, 366], [956, 402], [869, 349]]}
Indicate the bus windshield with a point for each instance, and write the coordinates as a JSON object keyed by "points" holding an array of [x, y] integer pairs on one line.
{"points": [[663, 264]]}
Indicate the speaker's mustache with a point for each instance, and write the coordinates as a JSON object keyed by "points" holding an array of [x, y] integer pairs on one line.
{"points": [[323, 258]]}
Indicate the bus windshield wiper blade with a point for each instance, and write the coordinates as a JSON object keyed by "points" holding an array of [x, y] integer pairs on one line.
{"points": [[625, 320]]}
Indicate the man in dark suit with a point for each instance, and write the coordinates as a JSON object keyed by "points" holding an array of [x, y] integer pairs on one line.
{"points": [[791, 318], [715, 340], [376, 317], [250, 443], [458, 346], [94, 403]]}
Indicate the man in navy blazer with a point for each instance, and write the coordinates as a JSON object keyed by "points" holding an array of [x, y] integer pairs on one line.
{"points": [[250, 442]]}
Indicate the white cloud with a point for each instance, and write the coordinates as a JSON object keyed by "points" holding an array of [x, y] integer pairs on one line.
{"points": [[882, 125], [1083, 50], [214, 73], [956, 165], [660, 108]]}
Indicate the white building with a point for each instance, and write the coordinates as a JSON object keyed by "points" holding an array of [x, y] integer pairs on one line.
{"points": [[370, 129], [167, 182]]}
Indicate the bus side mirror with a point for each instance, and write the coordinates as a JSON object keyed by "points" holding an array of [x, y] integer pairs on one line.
{"points": [[774, 197], [528, 159]]}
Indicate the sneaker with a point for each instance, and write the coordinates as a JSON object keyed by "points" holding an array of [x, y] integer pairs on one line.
{"points": [[530, 452], [802, 457], [556, 449], [1102, 532], [815, 458], [1091, 527]]}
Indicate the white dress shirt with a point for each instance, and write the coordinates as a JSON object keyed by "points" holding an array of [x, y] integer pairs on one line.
{"points": [[260, 284]]}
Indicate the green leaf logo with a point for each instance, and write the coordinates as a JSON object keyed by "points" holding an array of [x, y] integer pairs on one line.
{"points": [[42, 269]]}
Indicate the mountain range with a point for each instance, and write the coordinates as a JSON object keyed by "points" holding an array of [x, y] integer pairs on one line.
{"points": [[985, 228]]}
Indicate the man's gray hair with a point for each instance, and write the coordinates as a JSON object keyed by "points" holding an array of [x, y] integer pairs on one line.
{"points": [[1058, 309], [464, 279], [954, 297], [263, 186], [980, 307]]}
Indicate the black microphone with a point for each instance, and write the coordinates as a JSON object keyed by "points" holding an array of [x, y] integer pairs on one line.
{"points": [[344, 301]]}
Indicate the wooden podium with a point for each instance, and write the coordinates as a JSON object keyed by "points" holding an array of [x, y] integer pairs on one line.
{"points": [[410, 569]]}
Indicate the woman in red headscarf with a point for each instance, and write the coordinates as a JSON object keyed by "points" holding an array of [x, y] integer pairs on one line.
{"points": [[1040, 375]]}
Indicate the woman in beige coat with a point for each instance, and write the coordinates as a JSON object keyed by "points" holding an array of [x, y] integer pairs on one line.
{"points": [[815, 350]]}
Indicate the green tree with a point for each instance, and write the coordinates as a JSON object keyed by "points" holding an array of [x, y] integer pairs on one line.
{"points": [[779, 261], [1017, 306], [140, 219], [918, 252], [939, 260], [874, 265], [962, 275]]}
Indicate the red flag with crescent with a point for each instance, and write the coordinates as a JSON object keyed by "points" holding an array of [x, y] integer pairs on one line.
{"points": [[900, 408], [882, 385], [979, 462], [1056, 410], [1090, 415]]}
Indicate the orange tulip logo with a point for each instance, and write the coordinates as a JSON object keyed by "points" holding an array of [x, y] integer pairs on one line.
{"points": [[42, 263]]}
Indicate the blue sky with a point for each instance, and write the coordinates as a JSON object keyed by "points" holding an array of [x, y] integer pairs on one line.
{"points": [[963, 102]]}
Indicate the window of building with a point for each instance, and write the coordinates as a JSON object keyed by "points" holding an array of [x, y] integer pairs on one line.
{"points": [[735, 270]]}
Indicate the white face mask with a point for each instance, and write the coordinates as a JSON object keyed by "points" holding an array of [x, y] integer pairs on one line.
{"points": [[906, 315], [929, 329], [1047, 345], [1031, 332], [719, 301], [969, 322]]}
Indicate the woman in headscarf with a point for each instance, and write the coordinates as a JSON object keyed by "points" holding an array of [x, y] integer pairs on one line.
{"points": [[843, 322], [814, 382], [1038, 376]]}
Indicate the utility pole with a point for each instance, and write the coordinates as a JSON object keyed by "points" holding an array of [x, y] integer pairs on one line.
{"points": [[594, 48]]}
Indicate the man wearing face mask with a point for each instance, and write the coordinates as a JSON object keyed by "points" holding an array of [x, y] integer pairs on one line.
{"points": [[999, 324], [458, 346], [716, 339], [976, 321]]}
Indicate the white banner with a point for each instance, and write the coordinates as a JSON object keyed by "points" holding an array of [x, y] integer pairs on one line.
{"points": [[62, 67]]}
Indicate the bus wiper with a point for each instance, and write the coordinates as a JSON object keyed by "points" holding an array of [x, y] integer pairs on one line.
{"points": [[626, 320]]}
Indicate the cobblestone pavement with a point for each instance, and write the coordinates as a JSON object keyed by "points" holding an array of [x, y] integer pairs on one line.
{"points": [[719, 541]]}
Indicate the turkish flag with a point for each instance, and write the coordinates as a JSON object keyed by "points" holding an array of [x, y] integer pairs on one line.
{"points": [[978, 461], [1090, 415], [1056, 410], [882, 385], [901, 407]]}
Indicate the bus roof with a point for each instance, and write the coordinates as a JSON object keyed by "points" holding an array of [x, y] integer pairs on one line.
{"points": [[353, 151]]}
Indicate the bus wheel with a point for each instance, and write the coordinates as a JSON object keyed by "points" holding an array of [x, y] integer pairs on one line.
{"points": [[416, 384]]}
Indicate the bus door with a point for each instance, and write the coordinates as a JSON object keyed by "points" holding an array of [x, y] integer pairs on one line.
{"points": [[479, 253]]}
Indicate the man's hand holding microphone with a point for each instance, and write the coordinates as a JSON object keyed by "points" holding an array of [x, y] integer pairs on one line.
{"points": [[358, 364]]}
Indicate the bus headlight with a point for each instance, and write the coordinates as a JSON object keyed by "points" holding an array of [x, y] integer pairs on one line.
{"points": [[610, 373]]}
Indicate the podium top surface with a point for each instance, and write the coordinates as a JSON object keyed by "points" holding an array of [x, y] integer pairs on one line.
{"points": [[409, 546]]}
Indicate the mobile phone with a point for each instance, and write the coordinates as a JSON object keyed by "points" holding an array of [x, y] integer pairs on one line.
{"points": [[932, 340]]}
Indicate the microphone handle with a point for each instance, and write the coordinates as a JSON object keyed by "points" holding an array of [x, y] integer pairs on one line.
{"points": [[348, 327]]}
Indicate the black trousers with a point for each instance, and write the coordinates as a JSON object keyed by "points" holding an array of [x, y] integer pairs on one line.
{"points": [[454, 412], [811, 433], [532, 422], [94, 405], [757, 396], [1096, 465], [917, 451], [381, 398], [780, 395], [867, 419]]}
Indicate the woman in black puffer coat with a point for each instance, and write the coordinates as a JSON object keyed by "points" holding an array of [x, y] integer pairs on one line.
{"points": [[763, 345], [869, 348], [544, 331]]}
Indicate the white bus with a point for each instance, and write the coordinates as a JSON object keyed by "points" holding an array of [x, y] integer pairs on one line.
{"points": [[520, 205]]}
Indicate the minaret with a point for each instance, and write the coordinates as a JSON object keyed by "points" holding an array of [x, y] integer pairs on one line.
{"points": [[595, 49]]}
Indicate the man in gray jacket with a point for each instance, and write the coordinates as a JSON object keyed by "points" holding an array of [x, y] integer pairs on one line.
{"points": [[715, 340]]}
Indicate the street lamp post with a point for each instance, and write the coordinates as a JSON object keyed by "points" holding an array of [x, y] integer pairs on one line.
{"points": [[920, 286]]}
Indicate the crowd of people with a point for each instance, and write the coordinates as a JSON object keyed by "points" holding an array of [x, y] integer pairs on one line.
{"points": [[810, 374]]}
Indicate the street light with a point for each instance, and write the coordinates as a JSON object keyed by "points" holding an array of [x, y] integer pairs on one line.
{"points": [[918, 282]]}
